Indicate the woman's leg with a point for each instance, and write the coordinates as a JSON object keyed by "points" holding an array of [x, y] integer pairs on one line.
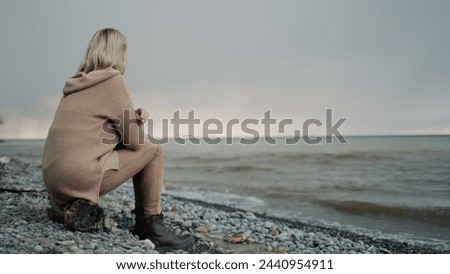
{"points": [[148, 185], [147, 169], [146, 166]]}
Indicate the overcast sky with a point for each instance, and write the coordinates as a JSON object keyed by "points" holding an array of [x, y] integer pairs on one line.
{"points": [[383, 64]]}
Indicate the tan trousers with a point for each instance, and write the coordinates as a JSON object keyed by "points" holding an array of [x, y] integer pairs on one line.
{"points": [[146, 166]]}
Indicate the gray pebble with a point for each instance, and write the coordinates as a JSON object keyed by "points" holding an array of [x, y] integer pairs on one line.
{"points": [[148, 244], [187, 224], [73, 248], [38, 248], [68, 243]]}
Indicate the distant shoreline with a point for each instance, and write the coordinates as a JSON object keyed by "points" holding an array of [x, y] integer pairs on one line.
{"points": [[277, 137]]}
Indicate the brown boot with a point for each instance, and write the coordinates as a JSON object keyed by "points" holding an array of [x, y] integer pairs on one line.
{"points": [[161, 235]]}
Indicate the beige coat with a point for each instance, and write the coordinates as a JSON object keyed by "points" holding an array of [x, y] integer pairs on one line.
{"points": [[81, 140]]}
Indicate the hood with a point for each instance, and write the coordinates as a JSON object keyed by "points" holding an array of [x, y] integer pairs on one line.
{"points": [[81, 80]]}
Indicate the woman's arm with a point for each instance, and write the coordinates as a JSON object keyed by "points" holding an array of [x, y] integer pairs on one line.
{"points": [[128, 122], [141, 115], [130, 130]]}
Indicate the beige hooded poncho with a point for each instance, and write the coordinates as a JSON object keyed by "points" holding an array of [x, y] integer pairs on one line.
{"points": [[81, 140]]}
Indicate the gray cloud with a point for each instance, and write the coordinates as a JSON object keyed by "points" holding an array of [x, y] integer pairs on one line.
{"points": [[383, 64]]}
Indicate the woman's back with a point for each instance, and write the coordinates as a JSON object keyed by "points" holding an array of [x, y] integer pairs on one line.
{"points": [[80, 143]]}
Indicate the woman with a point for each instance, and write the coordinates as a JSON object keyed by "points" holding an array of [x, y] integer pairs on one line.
{"points": [[96, 143]]}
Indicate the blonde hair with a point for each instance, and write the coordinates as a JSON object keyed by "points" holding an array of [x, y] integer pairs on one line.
{"points": [[107, 48]]}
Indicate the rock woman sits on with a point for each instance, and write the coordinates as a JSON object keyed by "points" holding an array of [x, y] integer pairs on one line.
{"points": [[96, 143]]}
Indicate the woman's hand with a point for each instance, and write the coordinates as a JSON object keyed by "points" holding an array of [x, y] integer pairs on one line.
{"points": [[141, 115]]}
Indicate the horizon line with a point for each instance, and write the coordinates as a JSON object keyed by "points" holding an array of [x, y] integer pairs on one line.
{"points": [[279, 137]]}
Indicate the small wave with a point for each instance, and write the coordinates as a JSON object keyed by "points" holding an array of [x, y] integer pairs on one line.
{"points": [[204, 159], [242, 168], [280, 157], [224, 198], [4, 160], [187, 158], [356, 155], [32, 155], [439, 216], [359, 155]]}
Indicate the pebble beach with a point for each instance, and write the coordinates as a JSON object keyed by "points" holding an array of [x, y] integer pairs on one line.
{"points": [[25, 228]]}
